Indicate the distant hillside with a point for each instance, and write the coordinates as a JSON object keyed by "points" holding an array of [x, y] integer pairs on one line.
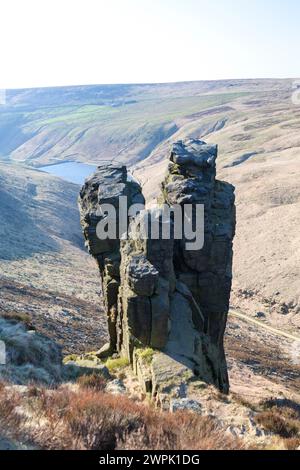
{"points": [[37, 211], [126, 122], [41, 244], [45, 272]]}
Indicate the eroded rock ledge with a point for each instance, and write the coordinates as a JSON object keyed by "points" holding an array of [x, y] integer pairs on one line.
{"points": [[166, 305]]}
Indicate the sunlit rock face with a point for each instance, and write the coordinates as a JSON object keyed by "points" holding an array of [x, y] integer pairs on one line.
{"points": [[206, 272], [166, 303]]}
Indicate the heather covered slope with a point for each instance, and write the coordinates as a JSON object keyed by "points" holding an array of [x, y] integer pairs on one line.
{"points": [[45, 272]]}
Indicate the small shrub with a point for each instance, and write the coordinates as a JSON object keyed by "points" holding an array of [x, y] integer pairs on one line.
{"points": [[115, 364], [280, 416], [94, 381], [274, 422], [146, 354], [33, 391], [70, 358], [121, 375]]}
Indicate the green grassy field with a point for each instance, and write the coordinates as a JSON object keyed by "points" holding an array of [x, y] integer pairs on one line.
{"points": [[131, 123], [123, 122]]}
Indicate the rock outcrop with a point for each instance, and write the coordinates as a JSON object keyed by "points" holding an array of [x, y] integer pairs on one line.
{"points": [[166, 302], [106, 186]]}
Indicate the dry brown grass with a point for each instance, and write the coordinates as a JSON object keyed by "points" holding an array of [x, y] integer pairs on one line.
{"points": [[292, 443], [94, 381], [281, 417], [277, 423], [17, 317], [264, 359], [9, 419], [88, 419], [180, 431]]}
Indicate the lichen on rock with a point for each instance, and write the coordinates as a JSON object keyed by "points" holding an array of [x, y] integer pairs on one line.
{"points": [[160, 295]]}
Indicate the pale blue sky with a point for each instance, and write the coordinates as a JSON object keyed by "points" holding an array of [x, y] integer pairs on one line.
{"points": [[65, 42]]}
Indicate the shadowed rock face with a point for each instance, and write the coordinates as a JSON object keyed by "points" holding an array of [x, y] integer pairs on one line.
{"points": [[106, 186], [166, 304]]}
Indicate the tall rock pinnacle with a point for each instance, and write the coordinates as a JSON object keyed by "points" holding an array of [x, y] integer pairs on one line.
{"points": [[166, 297]]}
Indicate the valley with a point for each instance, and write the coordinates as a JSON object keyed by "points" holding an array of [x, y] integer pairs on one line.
{"points": [[46, 275]]}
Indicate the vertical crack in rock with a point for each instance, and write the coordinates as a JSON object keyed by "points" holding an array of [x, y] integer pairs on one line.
{"points": [[166, 304]]}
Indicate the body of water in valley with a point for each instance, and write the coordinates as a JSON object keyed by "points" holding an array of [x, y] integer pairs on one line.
{"points": [[74, 172]]}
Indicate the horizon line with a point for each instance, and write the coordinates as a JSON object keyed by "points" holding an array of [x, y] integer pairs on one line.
{"points": [[149, 83]]}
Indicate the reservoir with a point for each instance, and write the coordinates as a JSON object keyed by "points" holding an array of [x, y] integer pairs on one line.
{"points": [[74, 172]]}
